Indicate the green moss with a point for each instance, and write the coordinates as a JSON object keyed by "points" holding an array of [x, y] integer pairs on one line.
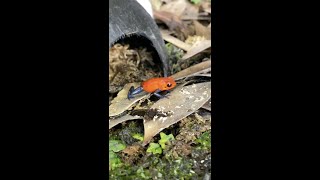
{"points": [[114, 160], [159, 169], [145, 174]]}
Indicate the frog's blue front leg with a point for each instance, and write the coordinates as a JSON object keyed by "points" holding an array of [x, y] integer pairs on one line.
{"points": [[133, 91], [156, 93]]}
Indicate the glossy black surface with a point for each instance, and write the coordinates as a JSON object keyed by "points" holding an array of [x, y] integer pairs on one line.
{"points": [[127, 18]]}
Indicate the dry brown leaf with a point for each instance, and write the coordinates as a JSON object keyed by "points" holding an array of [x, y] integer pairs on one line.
{"points": [[170, 19], [199, 74], [206, 6], [165, 31], [132, 150], [121, 103], [182, 102], [118, 120], [207, 105], [195, 69], [184, 18], [202, 30], [191, 10], [176, 7], [175, 41], [197, 48]]}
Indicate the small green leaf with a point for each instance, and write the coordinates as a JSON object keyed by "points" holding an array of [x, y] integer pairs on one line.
{"points": [[195, 1], [164, 139], [154, 148], [116, 145], [138, 136]]}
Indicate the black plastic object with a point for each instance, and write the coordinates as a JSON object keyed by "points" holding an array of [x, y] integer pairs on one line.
{"points": [[128, 18]]}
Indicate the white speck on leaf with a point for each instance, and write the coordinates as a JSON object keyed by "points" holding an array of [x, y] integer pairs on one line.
{"points": [[184, 91], [164, 119], [199, 99], [155, 117], [161, 108]]}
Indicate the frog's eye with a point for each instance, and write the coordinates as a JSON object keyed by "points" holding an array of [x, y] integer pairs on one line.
{"points": [[169, 85]]}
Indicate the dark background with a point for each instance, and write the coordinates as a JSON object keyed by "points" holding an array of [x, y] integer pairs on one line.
{"points": [[55, 112], [55, 75]]}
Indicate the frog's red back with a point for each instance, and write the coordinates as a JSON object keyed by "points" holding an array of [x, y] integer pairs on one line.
{"points": [[153, 84]]}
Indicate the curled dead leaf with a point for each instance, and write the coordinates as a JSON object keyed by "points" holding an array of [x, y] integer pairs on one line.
{"points": [[170, 19], [202, 30], [182, 102], [206, 7], [197, 48], [113, 122], [121, 103], [175, 7], [175, 41], [193, 70], [207, 105], [191, 10]]}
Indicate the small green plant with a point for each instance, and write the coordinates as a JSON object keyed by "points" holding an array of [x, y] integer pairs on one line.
{"points": [[165, 139], [156, 148], [204, 141], [114, 160], [138, 136]]}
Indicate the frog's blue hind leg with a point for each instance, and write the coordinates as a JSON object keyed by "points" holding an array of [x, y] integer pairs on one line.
{"points": [[136, 91], [133, 91], [156, 93]]}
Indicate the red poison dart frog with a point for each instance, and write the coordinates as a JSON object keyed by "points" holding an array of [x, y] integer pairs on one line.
{"points": [[153, 85]]}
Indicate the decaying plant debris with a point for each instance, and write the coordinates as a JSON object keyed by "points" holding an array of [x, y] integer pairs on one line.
{"points": [[186, 113], [125, 66]]}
